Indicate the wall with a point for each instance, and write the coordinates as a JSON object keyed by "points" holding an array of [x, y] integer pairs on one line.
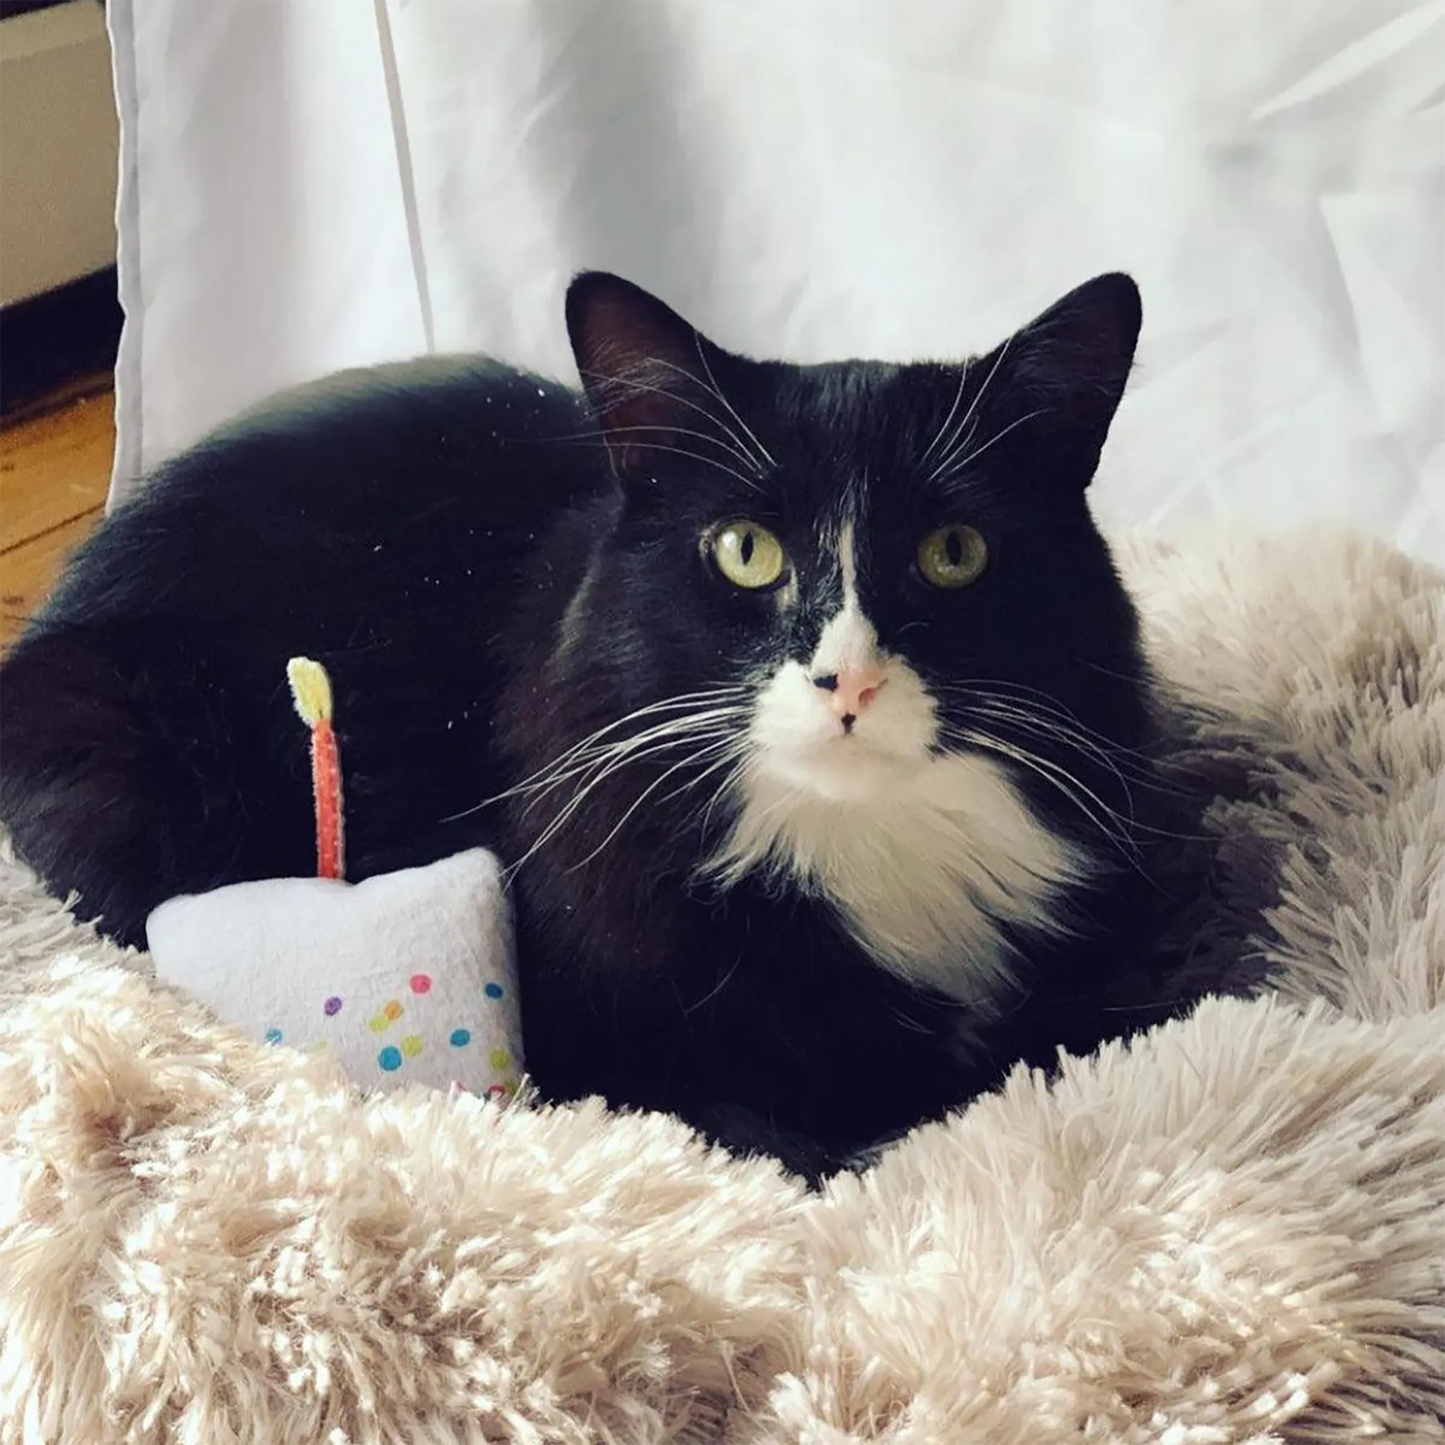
{"points": [[58, 145]]}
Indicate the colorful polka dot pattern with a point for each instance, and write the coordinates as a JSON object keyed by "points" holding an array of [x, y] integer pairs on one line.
{"points": [[391, 1011], [391, 1057]]}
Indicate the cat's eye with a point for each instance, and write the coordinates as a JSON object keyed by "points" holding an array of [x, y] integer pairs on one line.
{"points": [[952, 556], [747, 555]]}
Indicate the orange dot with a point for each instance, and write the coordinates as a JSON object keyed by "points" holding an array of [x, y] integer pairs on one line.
{"points": [[392, 1010]]}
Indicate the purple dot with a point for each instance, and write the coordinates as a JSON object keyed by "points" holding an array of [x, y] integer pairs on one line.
{"points": [[332, 1006]]}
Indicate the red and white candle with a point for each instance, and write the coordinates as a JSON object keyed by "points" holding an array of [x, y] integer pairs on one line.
{"points": [[311, 693]]}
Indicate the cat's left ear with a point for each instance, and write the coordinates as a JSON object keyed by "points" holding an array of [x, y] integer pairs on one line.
{"points": [[1068, 368], [644, 368]]}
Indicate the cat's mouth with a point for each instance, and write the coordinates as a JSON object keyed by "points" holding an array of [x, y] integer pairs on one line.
{"points": [[803, 739]]}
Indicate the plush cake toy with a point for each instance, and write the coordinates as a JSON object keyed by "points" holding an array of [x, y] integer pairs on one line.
{"points": [[405, 978]]}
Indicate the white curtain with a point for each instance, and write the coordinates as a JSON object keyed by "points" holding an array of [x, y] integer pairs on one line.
{"points": [[311, 184]]}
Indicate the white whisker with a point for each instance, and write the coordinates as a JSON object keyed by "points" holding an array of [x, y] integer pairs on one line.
{"points": [[571, 753], [1077, 793], [662, 732], [748, 482], [1029, 704], [642, 797], [603, 767], [710, 731], [972, 411], [1050, 729], [953, 468], [948, 420], [636, 384], [730, 756], [713, 992], [678, 431], [718, 393]]}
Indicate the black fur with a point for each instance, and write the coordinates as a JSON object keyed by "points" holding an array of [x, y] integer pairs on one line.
{"points": [[422, 529]]}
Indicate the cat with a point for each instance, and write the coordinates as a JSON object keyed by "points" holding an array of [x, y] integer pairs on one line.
{"points": [[804, 704]]}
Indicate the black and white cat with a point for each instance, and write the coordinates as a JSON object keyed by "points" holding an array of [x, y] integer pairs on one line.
{"points": [[803, 702]]}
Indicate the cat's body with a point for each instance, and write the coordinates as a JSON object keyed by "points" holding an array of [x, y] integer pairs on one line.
{"points": [[804, 860]]}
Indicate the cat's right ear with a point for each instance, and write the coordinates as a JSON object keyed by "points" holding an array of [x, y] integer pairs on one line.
{"points": [[644, 368]]}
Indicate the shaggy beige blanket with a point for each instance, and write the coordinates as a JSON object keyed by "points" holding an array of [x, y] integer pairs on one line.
{"points": [[1231, 1231]]}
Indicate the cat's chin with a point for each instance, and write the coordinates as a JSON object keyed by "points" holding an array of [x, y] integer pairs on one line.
{"points": [[841, 770]]}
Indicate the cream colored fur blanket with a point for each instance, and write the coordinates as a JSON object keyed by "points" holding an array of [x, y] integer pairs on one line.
{"points": [[1232, 1231]]}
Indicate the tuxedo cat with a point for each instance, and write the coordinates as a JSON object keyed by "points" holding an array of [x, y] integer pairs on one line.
{"points": [[803, 703]]}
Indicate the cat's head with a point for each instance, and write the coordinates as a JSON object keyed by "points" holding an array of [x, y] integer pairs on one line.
{"points": [[858, 586]]}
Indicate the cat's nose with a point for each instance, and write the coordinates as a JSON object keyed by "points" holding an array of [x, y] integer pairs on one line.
{"points": [[852, 688]]}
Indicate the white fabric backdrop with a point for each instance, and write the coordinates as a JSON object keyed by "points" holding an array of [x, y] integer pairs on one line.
{"points": [[309, 184]]}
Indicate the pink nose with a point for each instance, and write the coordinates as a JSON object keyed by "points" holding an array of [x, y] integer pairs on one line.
{"points": [[852, 688]]}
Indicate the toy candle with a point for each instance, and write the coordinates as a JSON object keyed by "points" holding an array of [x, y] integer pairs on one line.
{"points": [[311, 693]]}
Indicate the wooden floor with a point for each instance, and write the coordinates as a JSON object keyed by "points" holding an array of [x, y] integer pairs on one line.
{"points": [[54, 472]]}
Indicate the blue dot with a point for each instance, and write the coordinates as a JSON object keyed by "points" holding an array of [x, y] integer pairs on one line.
{"points": [[460, 1038], [389, 1058], [493, 990], [273, 1036]]}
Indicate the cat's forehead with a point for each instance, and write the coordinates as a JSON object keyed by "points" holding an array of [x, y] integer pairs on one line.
{"points": [[865, 405], [846, 438]]}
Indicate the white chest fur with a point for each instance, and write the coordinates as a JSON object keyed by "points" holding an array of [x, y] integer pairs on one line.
{"points": [[923, 871]]}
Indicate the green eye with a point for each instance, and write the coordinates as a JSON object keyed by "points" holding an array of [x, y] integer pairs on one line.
{"points": [[952, 556], [747, 555]]}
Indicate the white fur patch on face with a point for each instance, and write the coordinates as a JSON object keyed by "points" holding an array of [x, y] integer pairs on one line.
{"points": [[925, 855]]}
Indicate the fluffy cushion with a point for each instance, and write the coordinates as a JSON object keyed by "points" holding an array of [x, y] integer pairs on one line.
{"points": [[1231, 1231]]}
